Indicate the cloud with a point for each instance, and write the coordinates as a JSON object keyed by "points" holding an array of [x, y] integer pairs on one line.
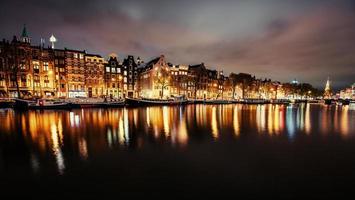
{"points": [[310, 48], [280, 39]]}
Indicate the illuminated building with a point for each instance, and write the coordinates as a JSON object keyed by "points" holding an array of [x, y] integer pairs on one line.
{"points": [[199, 80], [179, 80], [26, 71], [129, 75], [61, 73], [94, 75], [155, 79], [75, 67], [113, 77], [327, 89], [348, 93]]}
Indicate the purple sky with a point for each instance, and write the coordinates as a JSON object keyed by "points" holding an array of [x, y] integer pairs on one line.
{"points": [[280, 39]]}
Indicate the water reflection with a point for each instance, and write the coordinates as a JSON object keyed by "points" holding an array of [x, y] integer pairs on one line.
{"points": [[64, 135]]}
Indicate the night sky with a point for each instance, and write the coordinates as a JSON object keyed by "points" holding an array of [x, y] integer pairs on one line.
{"points": [[280, 39]]}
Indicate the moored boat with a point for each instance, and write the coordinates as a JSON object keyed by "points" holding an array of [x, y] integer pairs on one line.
{"points": [[41, 104], [280, 101], [217, 101], [254, 101], [343, 102], [6, 103], [96, 103], [328, 101], [153, 102]]}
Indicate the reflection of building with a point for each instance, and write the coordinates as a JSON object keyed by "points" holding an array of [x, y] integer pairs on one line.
{"points": [[94, 75]]}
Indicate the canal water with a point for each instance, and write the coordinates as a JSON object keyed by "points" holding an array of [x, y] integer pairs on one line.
{"points": [[305, 150]]}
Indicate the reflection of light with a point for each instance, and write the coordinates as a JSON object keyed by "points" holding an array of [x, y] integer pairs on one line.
{"points": [[166, 120], [290, 123], [236, 121], [277, 119], [34, 163], [121, 131], [260, 117], [83, 148], [74, 119], [182, 136], [214, 123], [126, 128], [57, 152], [344, 125], [148, 117], [307, 122], [270, 120], [109, 137]]}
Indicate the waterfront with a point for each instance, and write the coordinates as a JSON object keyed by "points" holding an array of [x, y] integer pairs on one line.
{"points": [[193, 150]]}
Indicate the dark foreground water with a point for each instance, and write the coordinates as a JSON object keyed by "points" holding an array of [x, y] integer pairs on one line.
{"points": [[191, 151]]}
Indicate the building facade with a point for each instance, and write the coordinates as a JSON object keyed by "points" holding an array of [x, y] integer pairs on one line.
{"points": [[155, 79], [129, 77], [113, 77], [94, 75]]}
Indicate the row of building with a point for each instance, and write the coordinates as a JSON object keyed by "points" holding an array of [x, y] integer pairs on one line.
{"points": [[29, 71]]}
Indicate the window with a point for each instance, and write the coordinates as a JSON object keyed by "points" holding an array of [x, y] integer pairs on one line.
{"points": [[125, 73], [113, 70], [107, 69], [118, 70], [36, 65], [125, 79], [75, 55], [45, 66], [81, 56]]}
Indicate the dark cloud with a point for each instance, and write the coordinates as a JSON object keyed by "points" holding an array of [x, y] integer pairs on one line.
{"points": [[281, 39]]}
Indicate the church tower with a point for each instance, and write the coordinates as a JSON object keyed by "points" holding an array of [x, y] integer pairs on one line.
{"points": [[327, 90], [24, 35]]}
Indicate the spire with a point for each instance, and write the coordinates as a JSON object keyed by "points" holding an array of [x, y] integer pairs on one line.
{"points": [[327, 89], [24, 35], [24, 31]]}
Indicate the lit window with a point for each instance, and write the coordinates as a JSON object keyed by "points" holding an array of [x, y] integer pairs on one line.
{"points": [[107, 69], [45, 66]]}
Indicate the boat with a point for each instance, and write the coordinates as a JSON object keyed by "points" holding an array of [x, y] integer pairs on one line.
{"points": [[6, 103], [254, 101], [327, 101], [196, 101], [40, 104], [217, 101], [96, 103], [280, 101], [154, 102], [315, 101], [113, 103], [343, 102]]}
